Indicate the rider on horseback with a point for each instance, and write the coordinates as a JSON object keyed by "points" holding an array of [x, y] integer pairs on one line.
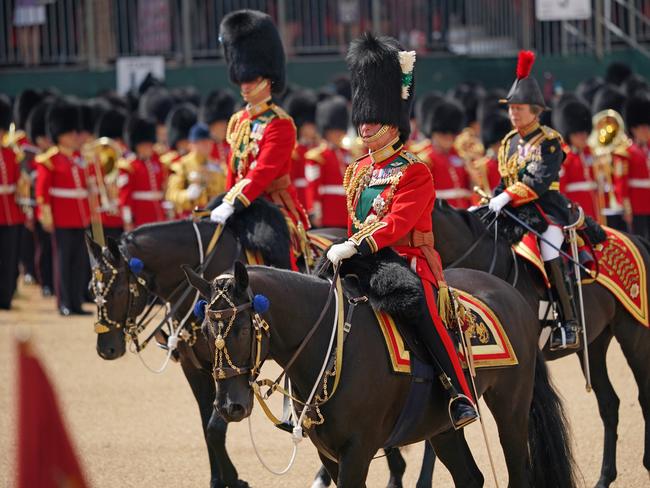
{"points": [[262, 136], [390, 195], [530, 158]]}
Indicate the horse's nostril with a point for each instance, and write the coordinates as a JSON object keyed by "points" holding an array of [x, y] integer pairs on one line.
{"points": [[236, 409]]}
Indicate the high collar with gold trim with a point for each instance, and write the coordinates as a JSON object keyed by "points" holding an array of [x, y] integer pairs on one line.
{"points": [[258, 108], [386, 152], [527, 132]]}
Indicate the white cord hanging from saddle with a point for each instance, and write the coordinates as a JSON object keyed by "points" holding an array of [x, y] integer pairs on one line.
{"points": [[172, 340], [296, 436]]}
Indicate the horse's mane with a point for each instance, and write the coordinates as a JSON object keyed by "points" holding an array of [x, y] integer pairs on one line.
{"points": [[471, 220]]}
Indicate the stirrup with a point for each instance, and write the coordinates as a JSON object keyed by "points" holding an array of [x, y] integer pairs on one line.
{"points": [[455, 398]]}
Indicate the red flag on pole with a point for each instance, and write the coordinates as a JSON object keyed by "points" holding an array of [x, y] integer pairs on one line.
{"points": [[46, 457]]}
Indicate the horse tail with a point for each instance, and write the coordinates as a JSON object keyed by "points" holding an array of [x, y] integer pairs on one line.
{"points": [[551, 459]]}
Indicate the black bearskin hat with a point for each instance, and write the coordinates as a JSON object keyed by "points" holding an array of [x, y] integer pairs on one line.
{"points": [[637, 110], [36, 126], [617, 72], [24, 104], [570, 117], [525, 89], [138, 130], [447, 117], [111, 124], [332, 114], [341, 86], [469, 94], [587, 89], [179, 122], [156, 104], [219, 105], [252, 47], [635, 84], [62, 117], [608, 97], [6, 115], [424, 105], [381, 93], [301, 105], [494, 127]]}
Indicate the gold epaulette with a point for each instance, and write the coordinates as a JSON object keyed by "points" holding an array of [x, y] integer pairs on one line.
{"points": [[410, 157], [168, 158], [176, 167], [125, 163], [45, 158], [316, 153], [280, 112], [419, 146], [551, 134]]}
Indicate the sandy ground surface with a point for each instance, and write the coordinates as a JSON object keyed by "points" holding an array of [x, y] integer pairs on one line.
{"points": [[133, 428]]}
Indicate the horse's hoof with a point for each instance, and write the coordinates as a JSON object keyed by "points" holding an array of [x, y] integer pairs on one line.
{"points": [[394, 484], [319, 483], [603, 483], [239, 484]]}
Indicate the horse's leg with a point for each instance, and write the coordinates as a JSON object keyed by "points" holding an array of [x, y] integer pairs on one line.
{"points": [[425, 480], [330, 469], [354, 462], [635, 343], [322, 479], [396, 465], [453, 451], [608, 404], [222, 472]]}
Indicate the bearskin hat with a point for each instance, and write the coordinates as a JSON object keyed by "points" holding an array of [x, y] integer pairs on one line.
{"points": [[586, 90], [342, 87], [494, 127], [447, 117], [6, 115], [571, 116], [252, 47], [301, 105], [637, 110], [23, 104], [111, 124], [423, 107], [138, 130], [381, 92], [525, 89], [332, 114], [617, 72], [635, 84], [219, 105], [179, 122], [36, 126], [156, 104], [608, 97], [468, 94], [62, 117], [491, 102]]}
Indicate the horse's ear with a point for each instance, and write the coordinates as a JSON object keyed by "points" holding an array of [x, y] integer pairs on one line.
{"points": [[198, 282], [241, 277], [113, 247], [94, 249]]}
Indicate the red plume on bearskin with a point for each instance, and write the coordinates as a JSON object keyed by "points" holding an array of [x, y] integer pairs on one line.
{"points": [[525, 64]]}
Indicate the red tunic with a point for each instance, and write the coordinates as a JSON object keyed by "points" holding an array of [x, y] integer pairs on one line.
{"points": [[219, 152], [450, 176], [10, 212], [61, 183], [141, 184], [325, 167], [298, 175], [639, 179], [578, 181]]}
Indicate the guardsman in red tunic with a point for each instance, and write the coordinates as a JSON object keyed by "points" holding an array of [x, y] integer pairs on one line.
{"points": [[327, 163], [155, 104], [301, 106], [578, 180], [391, 195], [179, 122], [262, 136], [216, 111], [485, 170], [423, 107], [62, 197], [142, 177], [637, 114], [11, 215], [447, 166]]}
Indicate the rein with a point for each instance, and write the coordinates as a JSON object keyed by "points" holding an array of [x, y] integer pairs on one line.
{"points": [[473, 247]]}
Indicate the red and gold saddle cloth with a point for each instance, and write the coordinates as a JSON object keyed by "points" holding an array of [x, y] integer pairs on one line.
{"points": [[620, 268], [491, 347]]}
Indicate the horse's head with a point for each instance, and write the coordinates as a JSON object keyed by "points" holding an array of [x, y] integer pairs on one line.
{"points": [[120, 296], [237, 337]]}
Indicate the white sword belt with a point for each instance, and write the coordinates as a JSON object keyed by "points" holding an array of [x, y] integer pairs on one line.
{"points": [[7, 189], [69, 192], [581, 186], [639, 183], [150, 196]]}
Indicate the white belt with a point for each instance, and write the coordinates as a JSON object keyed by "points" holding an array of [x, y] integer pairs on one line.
{"points": [[638, 183], [331, 190], [7, 189], [300, 183], [581, 186], [69, 192], [148, 195], [453, 193]]}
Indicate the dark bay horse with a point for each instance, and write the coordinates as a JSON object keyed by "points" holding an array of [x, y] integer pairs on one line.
{"points": [[457, 230], [362, 413]]}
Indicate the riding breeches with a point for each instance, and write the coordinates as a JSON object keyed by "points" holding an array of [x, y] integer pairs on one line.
{"points": [[551, 243]]}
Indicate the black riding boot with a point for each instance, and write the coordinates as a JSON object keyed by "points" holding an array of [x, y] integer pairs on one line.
{"points": [[461, 409], [567, 335]]}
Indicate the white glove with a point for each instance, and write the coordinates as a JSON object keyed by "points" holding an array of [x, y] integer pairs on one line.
{"points": [[339, 252], [194, 191], [498, 202], [222, 213]]}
